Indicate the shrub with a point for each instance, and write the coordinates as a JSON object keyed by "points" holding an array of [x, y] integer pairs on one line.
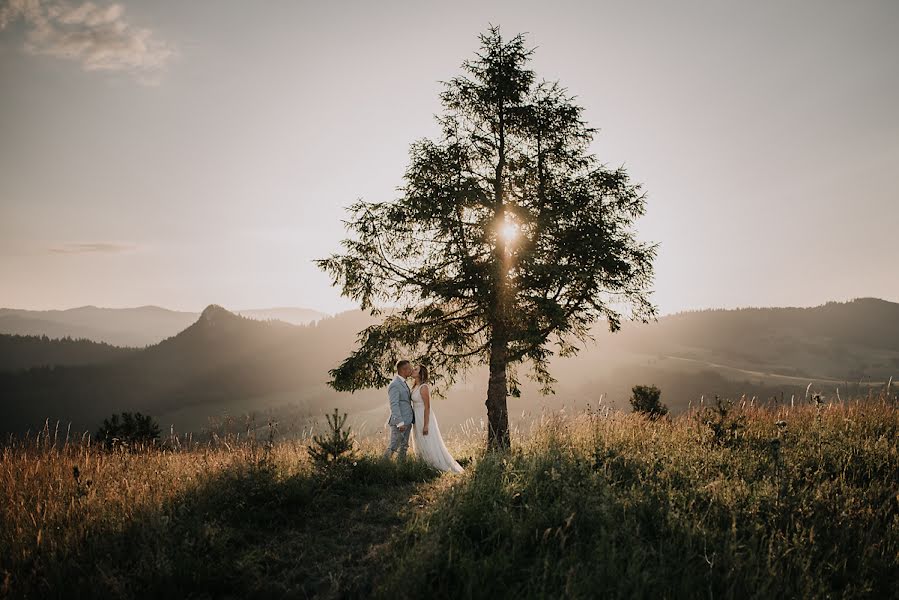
{"points": [[334, 451], [645, 399], [129, 430], [725, 427]]}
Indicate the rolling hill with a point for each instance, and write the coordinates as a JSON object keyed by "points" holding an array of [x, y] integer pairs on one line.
{"points": [[25, 351], [223, 365], [139, 326]]}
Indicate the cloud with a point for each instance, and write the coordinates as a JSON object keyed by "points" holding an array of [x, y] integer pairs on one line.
{"points": [[97, 36], [95, 247]]}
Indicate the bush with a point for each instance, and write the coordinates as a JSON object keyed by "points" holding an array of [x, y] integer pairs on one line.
{"points": [[334, 451], [129, 430], [645, 399], [722, 424]]}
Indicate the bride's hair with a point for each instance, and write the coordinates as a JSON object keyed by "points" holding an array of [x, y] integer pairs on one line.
{"points": [[422, 374]]}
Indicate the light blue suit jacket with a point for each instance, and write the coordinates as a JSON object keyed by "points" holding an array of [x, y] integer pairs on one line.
{"points": [[400, 403]]}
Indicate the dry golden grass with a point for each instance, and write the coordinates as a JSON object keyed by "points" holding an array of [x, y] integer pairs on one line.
{"points": [[119, 521]]}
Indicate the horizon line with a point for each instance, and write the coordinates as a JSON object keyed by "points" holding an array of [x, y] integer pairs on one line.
{"points": [[332, 314]]}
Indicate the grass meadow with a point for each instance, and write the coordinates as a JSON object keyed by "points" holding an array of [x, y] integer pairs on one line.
{"points": [[723, 501]]}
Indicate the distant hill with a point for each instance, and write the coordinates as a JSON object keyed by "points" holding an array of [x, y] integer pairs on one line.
{"points": [[837, 340], [137, 327], [288, 314], [25, 351], [221, 361], [223, 365]]}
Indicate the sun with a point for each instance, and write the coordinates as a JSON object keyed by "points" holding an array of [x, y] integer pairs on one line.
{"points": [[509, 231]]}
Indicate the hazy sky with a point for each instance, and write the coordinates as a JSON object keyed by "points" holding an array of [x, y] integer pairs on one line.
{"points": [[187, 153]]}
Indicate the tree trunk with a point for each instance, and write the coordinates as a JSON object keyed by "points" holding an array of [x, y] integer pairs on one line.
{"points": [[497, 388]]}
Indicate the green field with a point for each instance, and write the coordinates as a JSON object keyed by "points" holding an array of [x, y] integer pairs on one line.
{"points": [[746, 502]]}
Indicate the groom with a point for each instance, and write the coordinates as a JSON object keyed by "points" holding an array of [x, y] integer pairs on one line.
{"points": [[401, 415]]}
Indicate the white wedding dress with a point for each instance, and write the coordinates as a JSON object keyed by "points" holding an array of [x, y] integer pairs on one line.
{"points": [[430, 448]]}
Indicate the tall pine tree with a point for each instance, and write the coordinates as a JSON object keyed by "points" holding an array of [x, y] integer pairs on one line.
{"points": [[508, 241]]}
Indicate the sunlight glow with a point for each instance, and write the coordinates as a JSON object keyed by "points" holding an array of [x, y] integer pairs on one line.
{"points": [[509, 231]]}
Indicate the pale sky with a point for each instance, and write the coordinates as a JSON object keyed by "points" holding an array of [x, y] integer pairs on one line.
{"points": [[187, 153]]}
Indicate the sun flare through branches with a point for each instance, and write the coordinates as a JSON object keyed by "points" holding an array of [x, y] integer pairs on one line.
{"points": [[509, 231]]}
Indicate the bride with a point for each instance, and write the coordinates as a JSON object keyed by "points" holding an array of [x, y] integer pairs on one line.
{"points": [[426, 440]]}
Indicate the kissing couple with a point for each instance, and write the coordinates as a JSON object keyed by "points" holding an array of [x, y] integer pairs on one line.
{"points": [[411, 413]]}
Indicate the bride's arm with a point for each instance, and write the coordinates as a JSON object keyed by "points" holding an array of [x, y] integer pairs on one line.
{"points": [[426, 396]]}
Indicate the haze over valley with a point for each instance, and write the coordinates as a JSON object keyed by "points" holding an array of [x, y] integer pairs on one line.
{"points": [[222, 367]]}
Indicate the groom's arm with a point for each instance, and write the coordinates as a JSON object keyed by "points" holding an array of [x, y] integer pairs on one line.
{"points": [[393, 393]]}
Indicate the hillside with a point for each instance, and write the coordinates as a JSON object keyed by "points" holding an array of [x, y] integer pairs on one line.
{"points": [[844, 341], [139, 326], [288, 314], [586, 506], [25, 351], [224, 365]]}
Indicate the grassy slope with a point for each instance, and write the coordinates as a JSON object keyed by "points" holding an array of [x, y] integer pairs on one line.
{"points": [[609, 505], [628, 508]]}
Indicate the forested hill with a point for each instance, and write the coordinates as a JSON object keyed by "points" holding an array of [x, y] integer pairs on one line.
{"points": [[221, 360], [837, 340], [24, 351], [138, 326], [226, 363], [868, 322]]}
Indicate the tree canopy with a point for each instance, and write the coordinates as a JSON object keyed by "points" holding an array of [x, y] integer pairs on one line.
{"points": [[507, 241]]}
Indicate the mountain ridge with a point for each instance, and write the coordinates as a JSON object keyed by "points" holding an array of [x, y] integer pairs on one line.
{"points": [[226, 362], [127, 327]]}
